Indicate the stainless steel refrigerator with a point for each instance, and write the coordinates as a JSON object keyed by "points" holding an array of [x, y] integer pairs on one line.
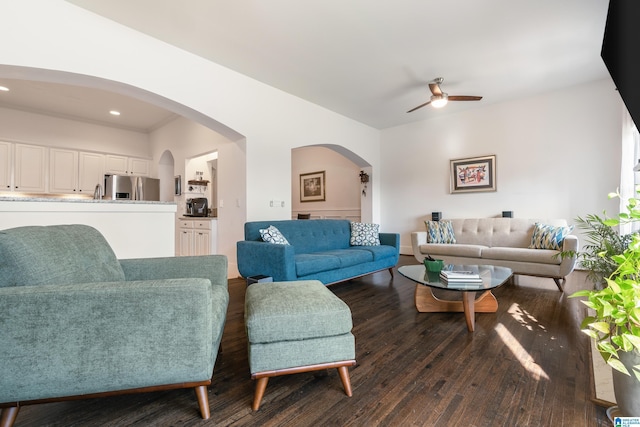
{"points": [[128, 187]]}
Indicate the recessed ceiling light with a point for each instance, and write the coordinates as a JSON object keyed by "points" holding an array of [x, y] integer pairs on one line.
{"points": [[114, 113], [4, 89]]}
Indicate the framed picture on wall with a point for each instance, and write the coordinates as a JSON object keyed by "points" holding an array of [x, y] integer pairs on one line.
{"points": [[473, 174], [312, 187]]}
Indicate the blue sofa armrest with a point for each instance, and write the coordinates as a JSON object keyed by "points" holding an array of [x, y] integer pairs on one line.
{"points": [[256, 258], [391, 239]]}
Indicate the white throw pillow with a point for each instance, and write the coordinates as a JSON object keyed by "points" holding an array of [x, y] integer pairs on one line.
{"points": [[364, 234], [273, 235]]}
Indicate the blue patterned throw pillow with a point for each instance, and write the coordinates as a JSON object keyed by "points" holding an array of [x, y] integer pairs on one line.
{"points": [[273, 235], [440, 232], [548, 236], [364, 234]]}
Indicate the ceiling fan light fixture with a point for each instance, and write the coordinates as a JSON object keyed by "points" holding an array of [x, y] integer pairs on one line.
{"points": [[439, 101]]}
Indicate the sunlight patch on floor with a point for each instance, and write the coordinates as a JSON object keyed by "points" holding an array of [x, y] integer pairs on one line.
{"points": [[520, 353], [523, 317]]}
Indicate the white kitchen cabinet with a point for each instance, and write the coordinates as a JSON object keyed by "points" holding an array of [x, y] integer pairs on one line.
{"points": [[63, 171], [30, 168], [75, 172], [185, 240], [138, 166], [6, 162], [116, 165], [197, 237], [90, 171], [121, 165]]}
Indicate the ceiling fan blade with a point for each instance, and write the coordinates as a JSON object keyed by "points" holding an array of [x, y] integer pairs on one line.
{"points": [[419, 106], [435, 88], [464, 98]]}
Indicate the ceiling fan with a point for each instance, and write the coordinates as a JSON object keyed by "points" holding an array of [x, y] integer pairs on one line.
{"points": [[439, 98]]}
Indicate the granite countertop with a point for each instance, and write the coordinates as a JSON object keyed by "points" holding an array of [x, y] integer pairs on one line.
{"points": [[79, 200]]}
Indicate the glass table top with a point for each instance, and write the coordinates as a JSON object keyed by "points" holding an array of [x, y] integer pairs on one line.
{"points": [[492, 276]]}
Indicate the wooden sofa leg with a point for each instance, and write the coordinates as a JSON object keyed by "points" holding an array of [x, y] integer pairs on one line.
{"points": [[391, 272], [9, 416], [343, 371], [203, 401], [261, 386], [560, 283]]}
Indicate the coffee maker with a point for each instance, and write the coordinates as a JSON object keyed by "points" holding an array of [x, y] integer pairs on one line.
{"points": [[197, 206]]}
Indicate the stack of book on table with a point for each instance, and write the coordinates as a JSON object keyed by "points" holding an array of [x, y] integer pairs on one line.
{"points": [[460, 278]]}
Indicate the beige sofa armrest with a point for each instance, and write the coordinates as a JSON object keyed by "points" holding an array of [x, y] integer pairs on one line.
{"points": [[570, 244], [418, 238]]}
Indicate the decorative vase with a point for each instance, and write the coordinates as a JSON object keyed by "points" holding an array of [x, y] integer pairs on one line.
{"points": [[627, 387], [433, 269]]}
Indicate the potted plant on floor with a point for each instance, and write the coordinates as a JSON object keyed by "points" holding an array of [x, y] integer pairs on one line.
{"points": [[614, 323]]}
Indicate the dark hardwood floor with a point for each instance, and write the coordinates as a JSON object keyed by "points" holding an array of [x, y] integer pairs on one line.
{"points": [[526, 365]]}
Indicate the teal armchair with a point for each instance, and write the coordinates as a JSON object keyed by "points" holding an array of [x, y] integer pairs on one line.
{"points": [[75, 322]]}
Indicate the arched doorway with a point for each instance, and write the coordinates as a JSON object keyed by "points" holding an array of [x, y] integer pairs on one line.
{"points": [[344, 193]]}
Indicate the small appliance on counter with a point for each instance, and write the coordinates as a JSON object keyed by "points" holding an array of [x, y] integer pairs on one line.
{"points": [[197, 206]]}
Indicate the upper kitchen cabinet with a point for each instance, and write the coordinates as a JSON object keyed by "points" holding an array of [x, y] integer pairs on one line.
{"points": [[30, 168], [6, 154], [74, 172], [63, 171], [120, 165], [90, 171]]}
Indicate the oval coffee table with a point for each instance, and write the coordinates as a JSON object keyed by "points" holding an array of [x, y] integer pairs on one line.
{"points": [[426, 302]]}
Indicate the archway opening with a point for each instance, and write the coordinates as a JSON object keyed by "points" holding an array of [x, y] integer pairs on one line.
{"points": [[338, 188]]}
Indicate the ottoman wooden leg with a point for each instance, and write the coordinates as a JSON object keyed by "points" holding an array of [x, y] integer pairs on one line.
{"points": [[261, 386], [343, 371]]}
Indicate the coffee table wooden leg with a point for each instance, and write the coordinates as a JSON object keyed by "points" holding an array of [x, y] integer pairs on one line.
{"points": [[426, 302], [468, 301]]}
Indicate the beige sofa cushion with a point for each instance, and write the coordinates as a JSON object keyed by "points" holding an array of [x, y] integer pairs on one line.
{"points": [[538, 256], [457, 249]]}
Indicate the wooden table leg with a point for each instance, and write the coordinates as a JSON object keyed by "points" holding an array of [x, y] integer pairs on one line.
{"points": [[468, 300], [426, 302]]}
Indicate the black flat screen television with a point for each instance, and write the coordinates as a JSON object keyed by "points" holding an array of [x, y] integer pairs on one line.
{"points": [[621, 52]]}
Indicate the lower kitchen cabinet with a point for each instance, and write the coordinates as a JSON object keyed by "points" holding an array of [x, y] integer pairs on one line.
{"points": [[198, 236]]}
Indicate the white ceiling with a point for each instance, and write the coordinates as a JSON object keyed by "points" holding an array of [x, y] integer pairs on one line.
{"points": [[372, 60]]}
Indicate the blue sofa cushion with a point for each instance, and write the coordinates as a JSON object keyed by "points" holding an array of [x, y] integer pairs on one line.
{"points": [[349, 257], [380, 252], [315, 263], [57, 254]]}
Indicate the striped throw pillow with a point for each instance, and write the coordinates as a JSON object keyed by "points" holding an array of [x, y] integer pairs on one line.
{"points": [[548, 237], [440, 232]]}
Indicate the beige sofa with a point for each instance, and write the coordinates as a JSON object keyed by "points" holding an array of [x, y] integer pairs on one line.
{"points": [[503, 242]]}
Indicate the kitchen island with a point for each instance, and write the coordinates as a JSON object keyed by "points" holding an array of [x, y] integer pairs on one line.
{"points": [[134, 229]]}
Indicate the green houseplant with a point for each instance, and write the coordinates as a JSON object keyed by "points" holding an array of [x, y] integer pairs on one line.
{"points": [[614, 323]]}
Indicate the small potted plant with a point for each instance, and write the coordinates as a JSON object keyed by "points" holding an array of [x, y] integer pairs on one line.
{"points": [[614, 323]]}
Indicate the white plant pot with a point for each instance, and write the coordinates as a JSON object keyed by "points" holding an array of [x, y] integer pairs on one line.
{"points": [[627, 388]]}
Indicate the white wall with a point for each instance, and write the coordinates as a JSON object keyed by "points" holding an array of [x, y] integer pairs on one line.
{"points": [[185, 140], [558, 156], [342, 182], [273, 122], [38, 129]]}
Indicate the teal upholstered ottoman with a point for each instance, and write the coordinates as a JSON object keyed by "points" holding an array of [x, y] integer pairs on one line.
{"points": [[296, 327]]}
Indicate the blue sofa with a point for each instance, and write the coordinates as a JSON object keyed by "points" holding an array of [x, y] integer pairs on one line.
{"points": [[319, 249]]}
